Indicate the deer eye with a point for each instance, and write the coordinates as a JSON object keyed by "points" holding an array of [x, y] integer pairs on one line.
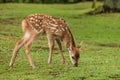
{"points": [[73, 57]]}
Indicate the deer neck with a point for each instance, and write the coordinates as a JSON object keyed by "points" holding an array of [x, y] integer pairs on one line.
{"points": [[69, 40]]}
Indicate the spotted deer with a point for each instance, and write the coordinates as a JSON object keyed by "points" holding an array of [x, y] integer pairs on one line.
{"points": [[56, 29]]}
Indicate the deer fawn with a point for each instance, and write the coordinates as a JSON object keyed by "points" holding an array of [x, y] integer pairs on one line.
{"points": [[56, 29]]}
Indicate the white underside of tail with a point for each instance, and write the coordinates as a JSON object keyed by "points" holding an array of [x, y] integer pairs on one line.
{"points": [[27, 35]]}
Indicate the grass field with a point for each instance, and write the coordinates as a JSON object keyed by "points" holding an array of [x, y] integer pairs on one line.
{"points": [[100, 54]]}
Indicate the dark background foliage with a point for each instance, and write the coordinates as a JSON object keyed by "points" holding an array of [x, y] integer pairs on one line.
{"points": [[44, 1]]}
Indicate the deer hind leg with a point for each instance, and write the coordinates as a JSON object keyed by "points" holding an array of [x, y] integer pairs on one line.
{"points": [[51, 46], [27, 47], [16, 49], [19, 44], [60, 49]]}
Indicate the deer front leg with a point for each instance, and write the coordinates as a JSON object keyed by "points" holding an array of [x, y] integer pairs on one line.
{"points": [[60, 49], [51, 46], [16, 49]]}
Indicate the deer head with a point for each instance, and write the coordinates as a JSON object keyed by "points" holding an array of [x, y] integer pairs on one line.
{"points": [[75, 54]]}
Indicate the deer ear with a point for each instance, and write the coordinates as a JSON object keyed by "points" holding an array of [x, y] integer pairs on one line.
{"points": [[80, 44]]}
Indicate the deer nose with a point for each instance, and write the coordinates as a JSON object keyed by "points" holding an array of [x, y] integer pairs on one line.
{"points": [[76, 64]]}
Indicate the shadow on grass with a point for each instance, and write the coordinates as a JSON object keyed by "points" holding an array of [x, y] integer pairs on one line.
{"points": [[114, 77], [111, 45], [11, 21]]}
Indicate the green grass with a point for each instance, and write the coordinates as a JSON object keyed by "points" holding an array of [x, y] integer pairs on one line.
{"points": [[100, 54]]}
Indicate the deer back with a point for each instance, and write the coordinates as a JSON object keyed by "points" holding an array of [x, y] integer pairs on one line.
{"points": [[47, 24]]}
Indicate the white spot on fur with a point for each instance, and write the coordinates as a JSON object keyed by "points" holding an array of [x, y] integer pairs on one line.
{"points": [[63, 29], [36, 16], [56, 30], [36, 20], [31, 21], [31, 18], [54, 20], [54, 25], [39, 27], [41, 31], [39, 17], [36, 24], [40, 23], [52, 28]]}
